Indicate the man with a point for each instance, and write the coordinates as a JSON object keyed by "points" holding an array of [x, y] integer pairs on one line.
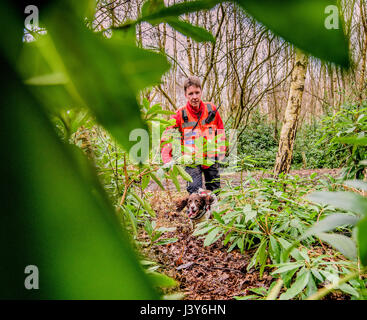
{"points": [[200, 125]]}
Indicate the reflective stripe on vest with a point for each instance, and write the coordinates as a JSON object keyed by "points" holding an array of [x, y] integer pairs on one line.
{"points": [[210, 109], [184, 115]]}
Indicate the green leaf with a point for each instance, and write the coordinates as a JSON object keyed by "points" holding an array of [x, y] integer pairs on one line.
{"points": [[165, 229], [311, 287], [147, 262], [357, 184], [211, 237], [287, 267], [317, 274], [59, 218], [341, 243], [183, 173], [227, 238], [249, 297], [313, 175], [145, 204], [117, 70], [145, 181], [304, 254], [155, 236], [330, 223], [132, 219], [260, 291], [148, 208], [179, 9], [47, 76], [274, 249], [287, 277], [166, 112], [153, 110], [175, 180], [302, 23], [199, 232], [165, 241], [160, 121], [262, 256], [362, 240], [151, 6], [294, 252], [241, 243], [148, 227], [259, 255], [174, 296], [157, 181], [197, 33], [355, 140], [343, 200], [217, 217], [297, 287], [161, 280], [249, 213], [48, 80], [349, 289]]}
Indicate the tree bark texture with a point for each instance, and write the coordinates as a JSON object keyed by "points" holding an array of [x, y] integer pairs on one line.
{"points": [[292, 112]]}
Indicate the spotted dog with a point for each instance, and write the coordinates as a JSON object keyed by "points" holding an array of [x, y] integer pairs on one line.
{"points": [[199, 205]]}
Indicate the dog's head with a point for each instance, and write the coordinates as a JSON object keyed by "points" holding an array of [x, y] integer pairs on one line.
{"points": [[195, 203]]}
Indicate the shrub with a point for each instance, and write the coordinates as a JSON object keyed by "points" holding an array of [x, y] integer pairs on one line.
{"points": [[258, 142], [339, 130]]}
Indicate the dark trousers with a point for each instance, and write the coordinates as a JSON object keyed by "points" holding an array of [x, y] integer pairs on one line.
{"points": [[211, 175]]}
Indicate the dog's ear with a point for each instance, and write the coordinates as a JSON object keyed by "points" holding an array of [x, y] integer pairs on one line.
{"points": [[181, 203], [206, 198], [210, 198]]}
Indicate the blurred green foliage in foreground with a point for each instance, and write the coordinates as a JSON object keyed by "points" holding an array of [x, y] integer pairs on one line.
{"points": [[55, 214]]}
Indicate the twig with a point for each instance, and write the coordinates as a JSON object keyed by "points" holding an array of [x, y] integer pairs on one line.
{"points": [[275, 291], [167, 97]]}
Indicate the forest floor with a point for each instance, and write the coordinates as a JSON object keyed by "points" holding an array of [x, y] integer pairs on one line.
{"points": [[205, 273]]}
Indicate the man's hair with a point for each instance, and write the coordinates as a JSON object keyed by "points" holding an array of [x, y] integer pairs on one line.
{"points": [[192, 81]]}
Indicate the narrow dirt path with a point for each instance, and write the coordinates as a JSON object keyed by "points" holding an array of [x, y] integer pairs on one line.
{"points": [[204, 273]]}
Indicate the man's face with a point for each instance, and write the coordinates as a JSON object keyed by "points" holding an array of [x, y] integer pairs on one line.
{"points": [[193, 95]]}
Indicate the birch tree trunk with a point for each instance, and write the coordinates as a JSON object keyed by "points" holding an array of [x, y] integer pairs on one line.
{"points": [[289, 128]]}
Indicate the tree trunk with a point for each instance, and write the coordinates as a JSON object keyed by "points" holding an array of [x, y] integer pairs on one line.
{"points": [[289, 128]]}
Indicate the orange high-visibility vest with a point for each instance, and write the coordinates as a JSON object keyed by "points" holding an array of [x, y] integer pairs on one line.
{"points": [[209, 147]]}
